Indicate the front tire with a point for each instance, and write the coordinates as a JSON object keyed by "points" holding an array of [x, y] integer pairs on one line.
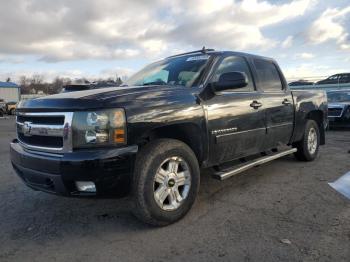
{"points": [[166, 182], [308, 147]]}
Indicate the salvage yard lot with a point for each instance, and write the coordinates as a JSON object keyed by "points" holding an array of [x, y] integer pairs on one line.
{"points": [[282, 211]]}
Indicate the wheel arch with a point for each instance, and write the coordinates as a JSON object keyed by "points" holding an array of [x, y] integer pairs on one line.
{"points": [[188, 133], [318, 117]]}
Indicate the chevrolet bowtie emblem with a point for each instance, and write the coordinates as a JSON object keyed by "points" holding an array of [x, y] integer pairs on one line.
{"points": [[26, 128]]}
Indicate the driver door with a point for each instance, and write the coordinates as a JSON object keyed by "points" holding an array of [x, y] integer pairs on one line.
{"points": [[236, 128]]}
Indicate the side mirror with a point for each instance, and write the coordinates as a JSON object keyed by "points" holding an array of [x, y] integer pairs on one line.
{"points": [[231, 80]]}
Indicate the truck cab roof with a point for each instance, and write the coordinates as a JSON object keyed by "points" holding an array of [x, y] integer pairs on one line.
{"points": [[223, 53]]}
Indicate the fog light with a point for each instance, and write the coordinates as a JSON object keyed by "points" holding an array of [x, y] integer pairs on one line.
{"points": [[86, 186]]}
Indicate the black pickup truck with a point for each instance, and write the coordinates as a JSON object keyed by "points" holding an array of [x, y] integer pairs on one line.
{"points": [[150, 138]]}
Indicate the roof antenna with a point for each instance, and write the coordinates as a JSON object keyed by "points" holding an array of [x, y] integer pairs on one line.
{"points": [[204, 50]]}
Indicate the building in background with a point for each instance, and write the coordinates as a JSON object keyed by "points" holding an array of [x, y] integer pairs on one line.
{"points": [[10, 92]]}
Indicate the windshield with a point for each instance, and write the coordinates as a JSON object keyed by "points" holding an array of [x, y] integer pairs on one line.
{"points": [[338, 96], [183, 71]]}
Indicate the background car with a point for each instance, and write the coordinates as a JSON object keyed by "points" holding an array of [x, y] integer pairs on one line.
{"points": [[84, 87], [2, 107], [339, 108], [336, 79], [301, 83], [76, 87], [11, 108]]}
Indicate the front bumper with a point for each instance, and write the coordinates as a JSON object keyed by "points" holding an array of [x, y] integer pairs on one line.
{"points": [[339, 122], [110, 169]]}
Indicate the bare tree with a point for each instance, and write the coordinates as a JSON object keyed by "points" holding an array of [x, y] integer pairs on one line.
{"points": [[118, 81], [24, 85], [56, 86], [37, 79], [23, 80]]}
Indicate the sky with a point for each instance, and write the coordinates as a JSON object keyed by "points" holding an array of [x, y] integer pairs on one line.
{"points": [[104, 38]]}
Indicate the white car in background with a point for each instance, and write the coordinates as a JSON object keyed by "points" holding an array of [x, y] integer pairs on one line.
{"points": [[2, 107]]}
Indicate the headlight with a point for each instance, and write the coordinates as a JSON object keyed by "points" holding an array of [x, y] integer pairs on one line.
{"points": [[99, 128]]}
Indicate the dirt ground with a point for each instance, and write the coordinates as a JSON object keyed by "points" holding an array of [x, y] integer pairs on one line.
{"points": [[282, 211]]}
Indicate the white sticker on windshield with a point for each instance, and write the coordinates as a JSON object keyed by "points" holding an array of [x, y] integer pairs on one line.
{"points": [[196, 58]]}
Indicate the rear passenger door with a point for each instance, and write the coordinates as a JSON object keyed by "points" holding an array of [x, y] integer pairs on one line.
{"points": [[277, 101]]}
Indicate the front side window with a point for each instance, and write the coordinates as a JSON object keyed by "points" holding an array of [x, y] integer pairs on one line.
{"points": [[184, 71], [234, 64], [335, 77], [268, 75]]}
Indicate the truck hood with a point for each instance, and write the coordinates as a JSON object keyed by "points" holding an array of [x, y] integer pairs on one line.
{"points": [[103, 98]]}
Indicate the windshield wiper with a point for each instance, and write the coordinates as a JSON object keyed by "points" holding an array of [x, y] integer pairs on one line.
{"points": [[155, 83]]}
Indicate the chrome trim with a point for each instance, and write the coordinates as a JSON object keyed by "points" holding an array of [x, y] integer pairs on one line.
{"points": [[41, 130], [223, 131], [65, 131], [280, 125], [222, 175], [337, 116], [250, 130], [167, 181]]}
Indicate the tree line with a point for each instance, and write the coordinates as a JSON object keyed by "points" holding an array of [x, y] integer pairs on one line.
{"points": [[36, 84]]}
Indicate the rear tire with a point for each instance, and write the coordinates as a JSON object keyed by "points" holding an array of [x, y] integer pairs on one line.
{"points": [[308, 147], [166, 182], [12, 112]]}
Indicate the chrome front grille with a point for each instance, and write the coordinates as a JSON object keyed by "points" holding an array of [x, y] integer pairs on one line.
{"points": [[46, 132]]}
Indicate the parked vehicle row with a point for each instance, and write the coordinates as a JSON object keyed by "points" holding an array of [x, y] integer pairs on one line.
{"points": [[2, 107], [301, 82], [87, 86], [339, 108], [334, 79], [11, 108], [8, 108]]}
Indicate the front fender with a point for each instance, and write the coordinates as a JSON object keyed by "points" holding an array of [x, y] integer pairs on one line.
{"points": [[176, 109]]}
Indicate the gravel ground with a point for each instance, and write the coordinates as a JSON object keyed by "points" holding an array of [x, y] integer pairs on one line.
{"points": [[282, 211]]}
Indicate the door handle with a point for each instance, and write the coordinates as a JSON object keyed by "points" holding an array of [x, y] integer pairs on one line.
{"points": [[255, 104], [286, 102]]}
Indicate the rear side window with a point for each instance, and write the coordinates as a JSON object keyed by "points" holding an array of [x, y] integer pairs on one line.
{"points": [[345, 78], [268, 75], [235, 64]]}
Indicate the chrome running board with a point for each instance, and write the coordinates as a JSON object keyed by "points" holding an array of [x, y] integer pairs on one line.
{"points": [[227, 173]]}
